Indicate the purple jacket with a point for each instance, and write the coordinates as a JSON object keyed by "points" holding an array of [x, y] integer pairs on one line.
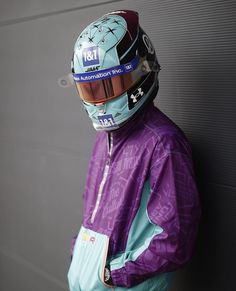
{"points": [[141, 207]]}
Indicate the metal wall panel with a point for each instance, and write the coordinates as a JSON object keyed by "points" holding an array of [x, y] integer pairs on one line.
{"points": [[14, 11], [46, 137], [196, 47]]}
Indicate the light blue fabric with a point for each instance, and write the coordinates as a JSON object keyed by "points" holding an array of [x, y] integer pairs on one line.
{"points": [[88, 263], [141, 233]]}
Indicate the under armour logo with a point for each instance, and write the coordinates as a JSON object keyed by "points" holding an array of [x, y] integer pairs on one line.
{"points": [[134, 97]]}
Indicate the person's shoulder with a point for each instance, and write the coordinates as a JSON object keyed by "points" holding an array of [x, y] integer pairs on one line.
{"points": [[168, 135]]}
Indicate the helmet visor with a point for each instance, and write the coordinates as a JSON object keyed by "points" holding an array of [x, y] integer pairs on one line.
{"points": [[105, 89], [101, 86]]}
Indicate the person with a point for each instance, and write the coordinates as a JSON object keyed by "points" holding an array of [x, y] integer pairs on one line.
{"points": [[140, 204]]}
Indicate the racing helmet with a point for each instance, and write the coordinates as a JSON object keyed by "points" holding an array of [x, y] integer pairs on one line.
{"points": [[115, 69]]}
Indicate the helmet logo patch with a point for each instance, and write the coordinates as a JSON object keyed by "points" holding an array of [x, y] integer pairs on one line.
{"points": [[148, 44], [90, 56], [135, 97], [107, 120]]}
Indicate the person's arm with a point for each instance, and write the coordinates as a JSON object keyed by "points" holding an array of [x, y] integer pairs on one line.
{"points": [[174, 207]]}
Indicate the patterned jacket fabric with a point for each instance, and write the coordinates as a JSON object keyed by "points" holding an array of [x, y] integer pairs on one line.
{"points": [[141, 207]]}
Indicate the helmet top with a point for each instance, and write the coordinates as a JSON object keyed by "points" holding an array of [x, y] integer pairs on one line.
{"points": [[93, 48]]}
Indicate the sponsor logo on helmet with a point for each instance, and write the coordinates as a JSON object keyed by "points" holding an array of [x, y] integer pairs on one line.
{"points": [[135, 97], [128, 67], [148, 44], [91, 69], [107, 73], [107, 120], [90, 56]]}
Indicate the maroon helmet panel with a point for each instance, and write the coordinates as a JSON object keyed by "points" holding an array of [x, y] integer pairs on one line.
{"points": [[132, 20]]}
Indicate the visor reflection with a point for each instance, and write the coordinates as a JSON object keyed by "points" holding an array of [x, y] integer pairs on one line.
{"points": [[107, 89]]}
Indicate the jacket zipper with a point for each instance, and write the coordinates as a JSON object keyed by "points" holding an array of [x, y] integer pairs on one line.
{"points": [[105, 173]]}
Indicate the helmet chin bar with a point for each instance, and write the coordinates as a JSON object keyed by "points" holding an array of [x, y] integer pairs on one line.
{"points": [[99, 127], [104, 116]]}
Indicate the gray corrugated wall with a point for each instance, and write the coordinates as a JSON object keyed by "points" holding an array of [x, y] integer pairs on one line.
{"points": [[46, 138]]}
